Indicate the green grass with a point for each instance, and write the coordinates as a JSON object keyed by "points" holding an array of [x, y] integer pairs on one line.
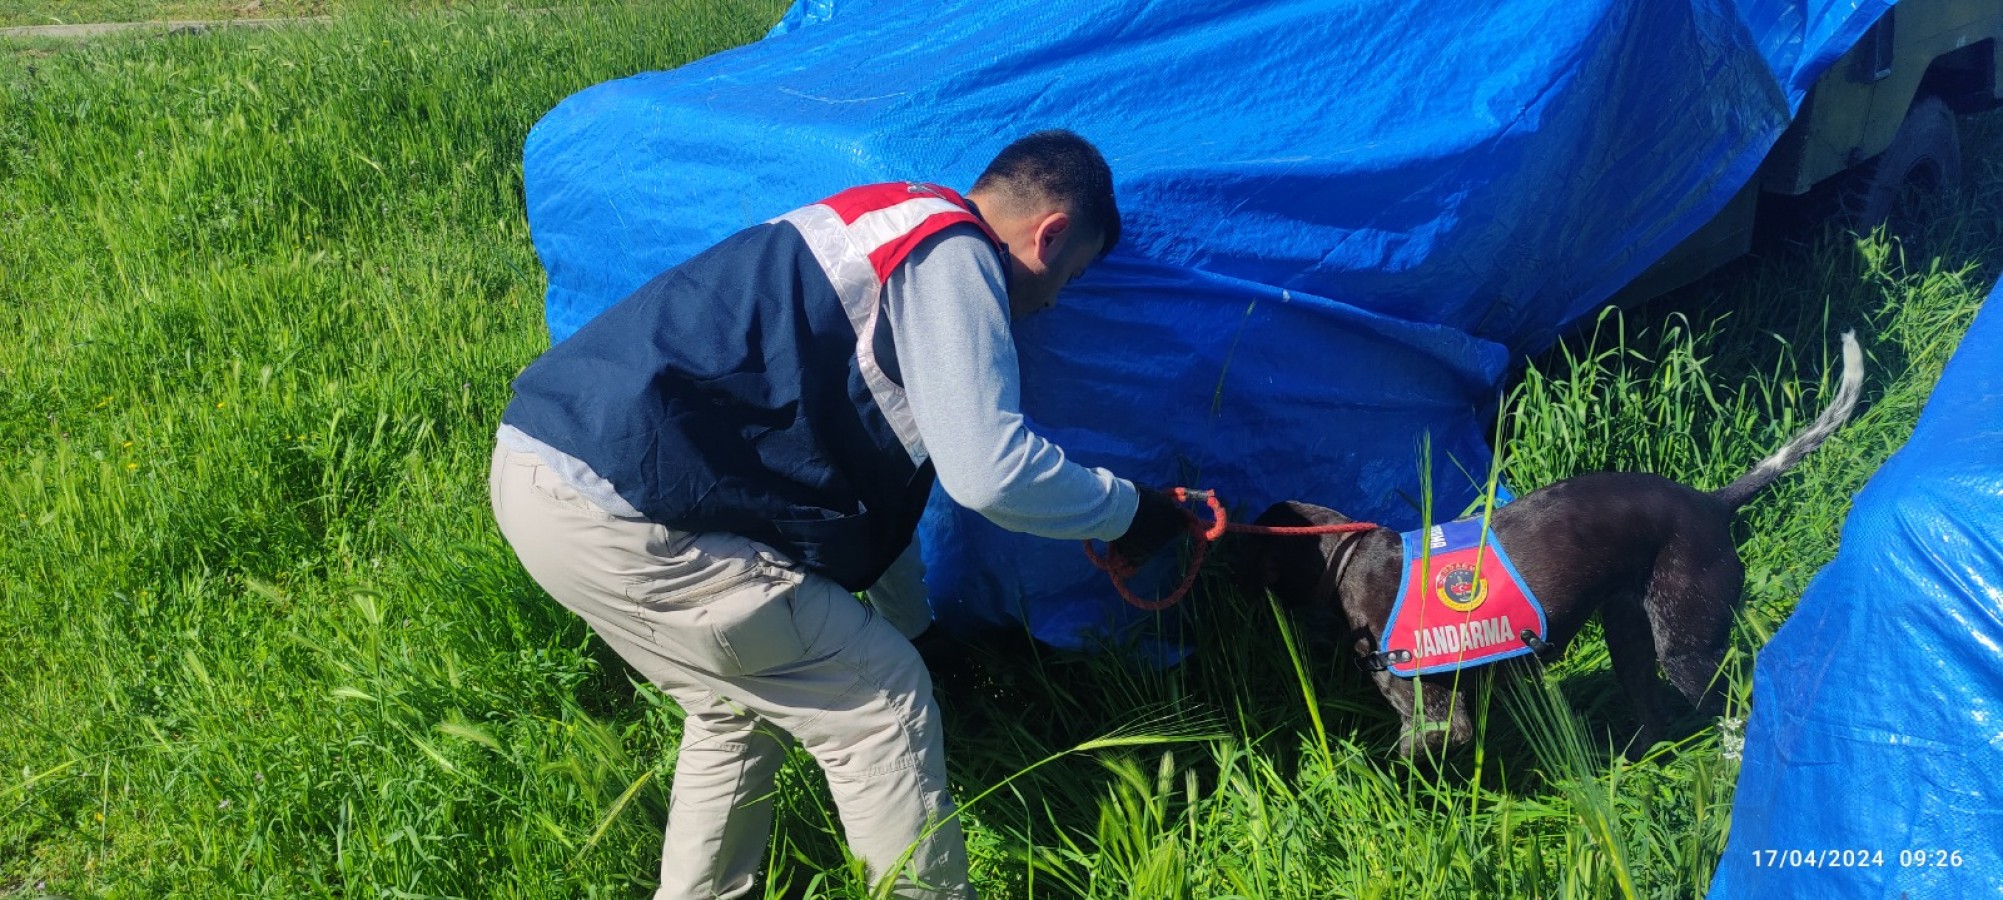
{"points": [[267, 289]]}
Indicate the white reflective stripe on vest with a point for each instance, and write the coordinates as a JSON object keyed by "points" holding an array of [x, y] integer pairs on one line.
{"points": [[843, 253]]}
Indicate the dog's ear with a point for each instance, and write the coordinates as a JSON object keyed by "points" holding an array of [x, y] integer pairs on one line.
{"points": [[1288, 514], [1294, 513], [1266, 563], [1253, 566], [1255, 558], [1292, 567]]}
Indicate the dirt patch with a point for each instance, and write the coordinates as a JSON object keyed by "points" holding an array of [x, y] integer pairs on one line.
{"points": [[175, 27]]}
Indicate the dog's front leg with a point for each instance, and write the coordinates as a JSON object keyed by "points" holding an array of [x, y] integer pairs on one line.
{"points": [[1631, 645]]}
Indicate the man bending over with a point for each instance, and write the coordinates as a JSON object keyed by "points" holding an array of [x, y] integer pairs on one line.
{"points": [[707, 471]]}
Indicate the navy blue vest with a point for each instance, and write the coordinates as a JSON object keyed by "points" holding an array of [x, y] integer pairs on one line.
{"points": [[732, 394]]}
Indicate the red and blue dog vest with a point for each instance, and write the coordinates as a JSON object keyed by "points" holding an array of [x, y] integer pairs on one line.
{"points": [[1460, 604]]}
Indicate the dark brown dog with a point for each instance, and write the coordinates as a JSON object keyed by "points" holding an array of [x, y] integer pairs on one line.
{"points": [[1656, 559]]}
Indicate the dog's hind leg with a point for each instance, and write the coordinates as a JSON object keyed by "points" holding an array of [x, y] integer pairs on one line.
{"points": [[1632, 646], [1691, 595]]}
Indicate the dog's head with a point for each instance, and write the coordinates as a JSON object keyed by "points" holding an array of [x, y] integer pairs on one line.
{"points": [[1295, 568], [1342, 584]]}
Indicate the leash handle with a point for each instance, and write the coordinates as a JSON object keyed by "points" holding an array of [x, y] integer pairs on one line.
{"points": [[1119, 569], [1219, 522]]}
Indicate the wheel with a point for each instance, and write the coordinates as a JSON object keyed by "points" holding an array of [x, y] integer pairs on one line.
{"points": [[1921, 169]]}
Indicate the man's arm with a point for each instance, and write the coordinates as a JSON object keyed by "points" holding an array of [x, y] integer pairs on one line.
{"points": [[948, 309]]}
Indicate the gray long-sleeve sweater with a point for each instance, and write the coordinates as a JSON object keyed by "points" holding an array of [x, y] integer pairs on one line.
{"points": [[948, 308], [949, 319]]}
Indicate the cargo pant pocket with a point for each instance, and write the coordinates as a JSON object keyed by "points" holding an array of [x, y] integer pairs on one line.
{"points": [[758, 633], [740, 625]]}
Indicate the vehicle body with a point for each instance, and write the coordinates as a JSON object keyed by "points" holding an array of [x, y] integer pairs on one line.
{"points": [[1878, 126]]}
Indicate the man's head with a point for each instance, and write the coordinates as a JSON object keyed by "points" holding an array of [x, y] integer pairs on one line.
{"points": [[1049, 196]]}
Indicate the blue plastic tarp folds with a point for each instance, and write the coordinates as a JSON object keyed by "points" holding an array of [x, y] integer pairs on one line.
{"points": [[1344, 220], [1877, 721]]}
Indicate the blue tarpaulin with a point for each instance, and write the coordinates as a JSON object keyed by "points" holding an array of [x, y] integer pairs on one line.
{"points": [[1345, 220], [1874, 756]]}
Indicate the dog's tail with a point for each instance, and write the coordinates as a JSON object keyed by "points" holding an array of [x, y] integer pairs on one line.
{"points": [[1738, 492]]}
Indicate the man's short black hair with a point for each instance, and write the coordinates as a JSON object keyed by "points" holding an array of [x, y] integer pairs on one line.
{"points": [[1058, 167]]}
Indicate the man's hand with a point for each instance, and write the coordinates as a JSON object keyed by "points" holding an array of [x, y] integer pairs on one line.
{"points": [[1158, 520]]}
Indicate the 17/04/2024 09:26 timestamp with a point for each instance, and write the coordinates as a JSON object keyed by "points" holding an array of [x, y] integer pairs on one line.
{"points": [[1855, 859]]}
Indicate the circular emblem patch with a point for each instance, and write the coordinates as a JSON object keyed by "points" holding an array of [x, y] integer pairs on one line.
{"points": [[1458, 588]]}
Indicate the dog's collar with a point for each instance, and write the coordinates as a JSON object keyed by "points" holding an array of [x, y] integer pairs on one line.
{"points": [[1384, 659]]}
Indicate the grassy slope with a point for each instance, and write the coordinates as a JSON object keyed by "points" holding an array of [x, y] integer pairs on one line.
{"points": [[261, 638], [268, 289]]}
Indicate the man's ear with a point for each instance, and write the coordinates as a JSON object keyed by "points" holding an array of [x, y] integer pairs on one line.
{"points": [[1053, 231]]}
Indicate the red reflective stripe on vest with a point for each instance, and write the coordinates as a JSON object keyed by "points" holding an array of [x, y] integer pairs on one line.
{"points": [[853, 204], [961, 202], [856, 202], [886, 258]]}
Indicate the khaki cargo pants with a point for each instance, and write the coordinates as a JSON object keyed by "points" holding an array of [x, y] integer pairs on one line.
{"points": [[759, 654]]}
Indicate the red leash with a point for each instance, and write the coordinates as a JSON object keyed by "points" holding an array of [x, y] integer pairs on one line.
{"points": [[1120, 570]]}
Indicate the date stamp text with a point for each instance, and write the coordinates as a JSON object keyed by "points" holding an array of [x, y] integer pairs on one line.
{"points": [[1852, 858]]}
